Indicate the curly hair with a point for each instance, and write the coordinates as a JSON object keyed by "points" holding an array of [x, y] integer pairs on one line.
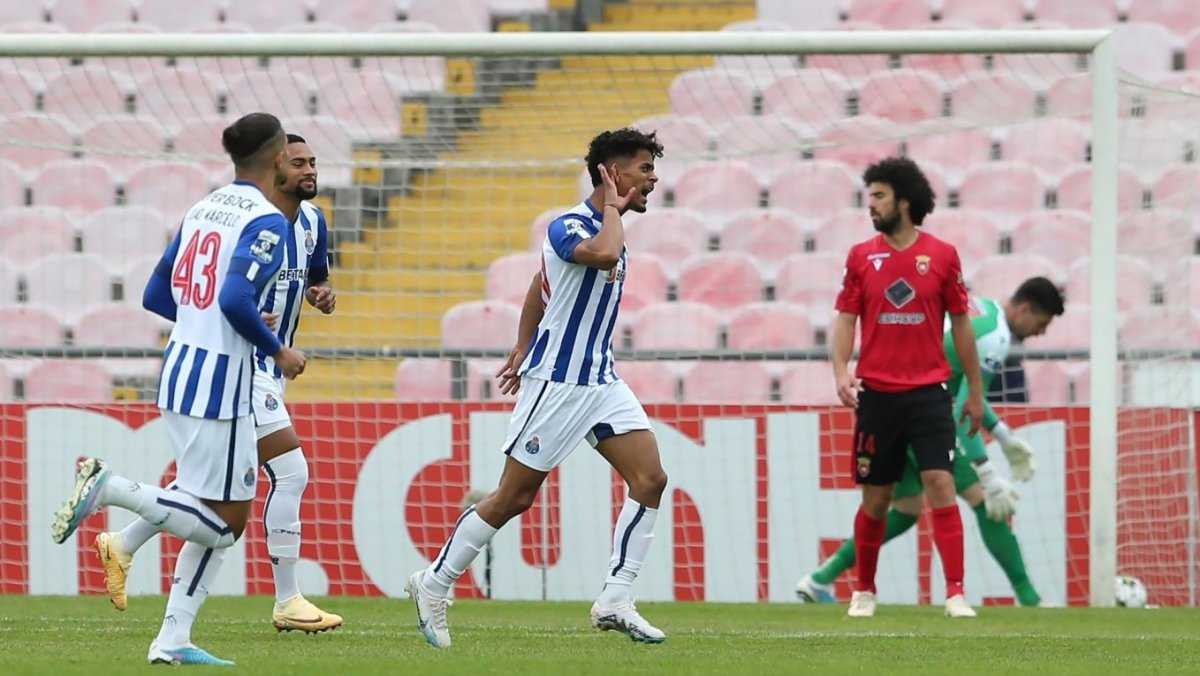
{"points": [[908, 183], [619, 143]]}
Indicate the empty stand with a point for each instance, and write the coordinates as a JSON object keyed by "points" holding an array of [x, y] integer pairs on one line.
{"points": [[890, 14], [18, 90], [29, 326], [1072, 14], [83, 15], [727, 382], [8, 282], [76, 185], [1136, 282], [267, 16], [993, 98], [902, 96], [1071, 331], [983, 14], [30, 232], [330, 141], [480, 324], [713, 95], [768, 145], [812, 279], [808, 383], [718, 189], [953, 149], [1146, 49], [285, 94], [811, 96], [770, 326], [354, 15], [55, 139], [366, 102], [672, 234], [1075, 189], [82, 94], [998, 276], [770, 235], [676, 326], [836, 234], [168, 187], [723, 280], [456, 16], [86, 284], [174, 96], [1051, 146], [124, 233], [124, 143], [647, 280], [508, 277], [12, 185], [178, 16], [1006, 188], [1178, 188], [815, 189], [858, 141], [652, 381], [1062, 236], [73, 381], [118, 326], [973, 232]]}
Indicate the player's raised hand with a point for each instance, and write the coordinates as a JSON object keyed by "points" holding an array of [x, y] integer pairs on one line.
{"points": [[973, 411], [847, 390], [510, 380], [271, 319], [611, 196], [291, 361], [321, 297]]}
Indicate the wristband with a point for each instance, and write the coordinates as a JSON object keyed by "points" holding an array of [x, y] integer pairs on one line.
{"points": [[1001, 432]]}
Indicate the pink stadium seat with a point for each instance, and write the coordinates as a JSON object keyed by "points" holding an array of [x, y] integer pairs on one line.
{"points": [[713, 95], [858, 141], [6, 384], [1136, 281], [902, 96], [82, 15], [1002, 187], [124, 143], [316, 67], [29, 326], [78, 185], [1178, 16], [727, 382], [811, 279], [174, 96], [943, 66], [18, 90], [508, 277], [991, 98], [983, 14], [954, 149], [1146, 49], [1156, 236], [718, 189], [890, 14], [1047, 383], [456, 16], [651, 381], [12, 185], [1149, 144], [683, 134], [480, 324], [768, 145], [514, 8], [1036, 70], [1157, 327], [172, 16], [1097, 14], [679, 325], [1178, 188], [1071, 331], [366, 102], [169, 187], [1182, 80], [266, 16], [133, 65], [841, 231], [973, 232], [70, 283], [808, 15], [481, 380], [1050, 146], [1075, 189], [21, 12], [811, 96], [854, 67], [419, 73], [770, 326], [8, 282], [999, 275], [73, 381], [55, 138], [354, 15], [200, 142], [537, 229], [133, 276], [646, 280], [121, 233], [225, 67], [1189, 270], [770, 235], [29, 232], [287, 95], [1191, 50], [673, 234], [1070, 95], [723, 280], [807, 383], [85, 93], [1063, 236], [118, 326], [330, 141], [815, 189]]}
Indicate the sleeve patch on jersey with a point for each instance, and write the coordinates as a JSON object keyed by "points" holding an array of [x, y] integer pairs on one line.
{"points": [[576, 228], [263, 249]]}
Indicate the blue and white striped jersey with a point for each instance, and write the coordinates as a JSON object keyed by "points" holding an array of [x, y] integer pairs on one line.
{"points": [[304, 250], [573, 343], [207, 364]]}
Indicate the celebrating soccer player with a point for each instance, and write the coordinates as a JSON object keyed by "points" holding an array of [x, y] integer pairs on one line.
{"points": [[305, 263], [567, 390], [208, 282], [901, 283], [996, 325]]}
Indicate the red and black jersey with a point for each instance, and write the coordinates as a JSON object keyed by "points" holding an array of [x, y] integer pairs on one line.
{"points": [[902, 298]]}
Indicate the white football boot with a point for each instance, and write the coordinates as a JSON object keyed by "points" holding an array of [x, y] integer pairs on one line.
{"points": [[624, 617], [957, 606], [431, 611], [862, 604]]}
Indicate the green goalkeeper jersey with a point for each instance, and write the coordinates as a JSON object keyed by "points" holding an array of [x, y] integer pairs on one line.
{"points": [[992, 341]]}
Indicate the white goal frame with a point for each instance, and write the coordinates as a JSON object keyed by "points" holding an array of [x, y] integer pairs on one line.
{"points": [[1097, 44]]}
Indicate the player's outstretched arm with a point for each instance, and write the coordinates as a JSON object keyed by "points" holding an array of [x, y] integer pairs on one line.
{"points": [[964, 344], [157, 297], [532, 312]]}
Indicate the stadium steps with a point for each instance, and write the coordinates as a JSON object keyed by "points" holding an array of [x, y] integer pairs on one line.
{"points": [[344, 379]]}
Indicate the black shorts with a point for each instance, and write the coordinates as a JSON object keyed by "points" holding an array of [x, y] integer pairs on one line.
{"points": [[887, 424]]}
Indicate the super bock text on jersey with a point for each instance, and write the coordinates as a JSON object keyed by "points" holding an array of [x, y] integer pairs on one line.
{"points": [[304, 259]]}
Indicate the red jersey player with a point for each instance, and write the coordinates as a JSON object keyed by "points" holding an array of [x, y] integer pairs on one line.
{"points": [[902, 283]]}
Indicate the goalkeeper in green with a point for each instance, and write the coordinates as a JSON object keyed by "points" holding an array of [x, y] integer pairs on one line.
{"points": [[997, 325]]}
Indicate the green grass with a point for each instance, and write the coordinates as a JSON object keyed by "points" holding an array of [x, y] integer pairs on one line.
{"points": [[54, 635]]}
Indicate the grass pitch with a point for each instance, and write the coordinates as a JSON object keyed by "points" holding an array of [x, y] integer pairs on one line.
{"points": [[55, 635]]}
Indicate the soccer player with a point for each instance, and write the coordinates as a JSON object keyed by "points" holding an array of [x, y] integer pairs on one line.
{"points": [[901, 283], [996, 325], [304, 261], [208, 282], [567, 391]]}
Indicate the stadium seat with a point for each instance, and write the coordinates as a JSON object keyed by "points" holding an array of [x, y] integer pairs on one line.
{"points": [[718, 189], [854, 67], [1178, 188], [421, 380], [71, 283], [768, 145], [676, 326], [815, 189], [1146, 49], [6, 384], [480, 324], [354, 15], [1005, 188], [685, 135], [200, 141], [81, 15], [83, 94], [266, 16], [983, 14], [480, 382], [537, 229], [954, 149], [1191, 50], [1075, 189], [811, 279], [727, 382], [1063, 236], [121, 233], [807, 383], [8, 282], [419, 73], [454, 16], [508, 277], [762, 69], [123, 143], [998, 276], [1157, 327], [55, 139], [973, 232], [1071, 331], [21, 12], [858, 141], [133, 275], [225, 67], [902, 96], [69, 381], [12, 185], [654, 382], [1136, 282], [27, 233], [647, 280], [810, 96], [168, 187], [673, 234], [76, 185], [174, 96], [118, 325], [890, 14], [713, 95], [1097, 14], [285, 94], [1036, 70], [1156, 236], [20, 90], [1147, 145], [315, 67], [29, 326], [366, 102], [992, 98], [1047, 383], [769, 235], [722, 280], [836, 234], [1070, 96], [943, 66], [135, 66], [171, 16], [770, 326], [809, 15], [1050, 146]]}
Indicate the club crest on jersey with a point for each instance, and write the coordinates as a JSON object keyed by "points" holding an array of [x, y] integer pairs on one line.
{"points": [[263, 249], [310, 244], [249, 478], [271, 403], [864, 467], [533, 446], [923, 264]]}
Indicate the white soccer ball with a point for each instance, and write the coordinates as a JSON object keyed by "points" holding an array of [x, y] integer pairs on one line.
{"points": [[1130, 592]]}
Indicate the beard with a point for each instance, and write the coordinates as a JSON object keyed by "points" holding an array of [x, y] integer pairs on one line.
{"points": [[305, 193], [887, 226]]}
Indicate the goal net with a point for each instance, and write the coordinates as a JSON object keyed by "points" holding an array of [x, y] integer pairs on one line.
{"points": [[441, 164]]}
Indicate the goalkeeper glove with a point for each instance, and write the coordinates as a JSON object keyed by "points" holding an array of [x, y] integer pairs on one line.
{"points": [[1019, 453], [999, 496]]}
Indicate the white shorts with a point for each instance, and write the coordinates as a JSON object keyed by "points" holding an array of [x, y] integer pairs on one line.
{"points": [[214, 459], [551, 418], [266, 404]]}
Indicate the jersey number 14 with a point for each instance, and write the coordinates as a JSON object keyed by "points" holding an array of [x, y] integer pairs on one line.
{"points": [[198, 287]]}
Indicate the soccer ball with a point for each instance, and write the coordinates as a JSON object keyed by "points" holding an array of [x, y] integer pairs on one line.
{"points": [[1130, 592]]}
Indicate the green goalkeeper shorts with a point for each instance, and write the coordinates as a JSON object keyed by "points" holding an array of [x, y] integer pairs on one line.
{"points": [[910, 481]]}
